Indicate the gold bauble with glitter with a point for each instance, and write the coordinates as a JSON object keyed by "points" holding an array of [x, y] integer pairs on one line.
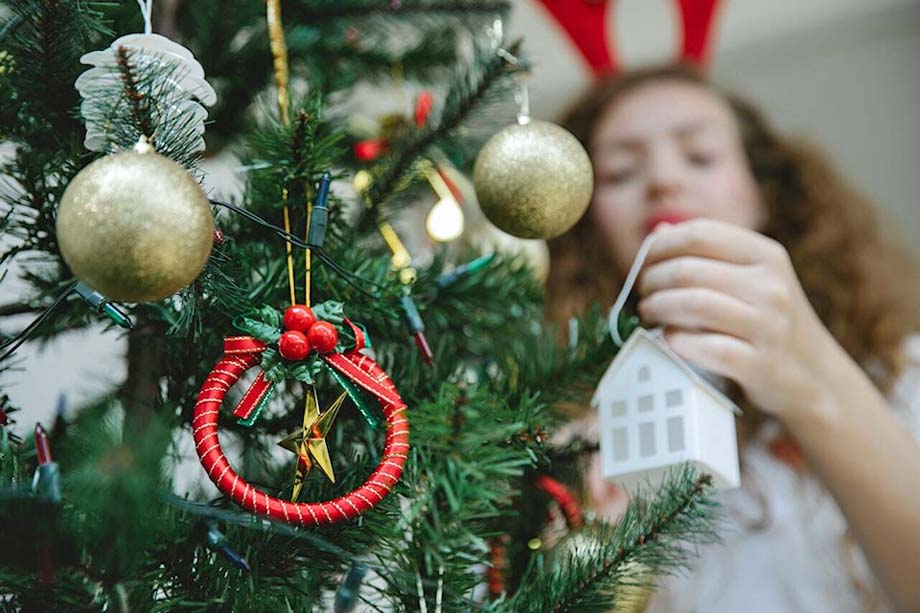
{"points": [[533, 180], [135, 226]]}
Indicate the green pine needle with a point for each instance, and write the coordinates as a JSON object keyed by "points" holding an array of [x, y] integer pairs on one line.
{"points": [[654, 537]]}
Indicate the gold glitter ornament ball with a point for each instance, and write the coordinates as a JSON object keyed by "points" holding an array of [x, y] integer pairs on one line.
{"points": [[135, 226], [533, 180]]}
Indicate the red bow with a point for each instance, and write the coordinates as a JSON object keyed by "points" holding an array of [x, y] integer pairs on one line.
{"points": [[352, 364]]}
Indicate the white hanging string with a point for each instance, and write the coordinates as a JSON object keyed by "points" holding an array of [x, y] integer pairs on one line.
{"points": [[523, 99], [146, 10], [496, 36], [613, 320]]}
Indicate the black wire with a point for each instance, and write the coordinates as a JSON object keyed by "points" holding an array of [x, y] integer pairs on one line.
{"points": [[15, 342], [350, 277], [252, 522]]}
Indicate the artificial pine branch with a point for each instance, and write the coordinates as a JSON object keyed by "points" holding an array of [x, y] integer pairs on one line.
{"points": [[653, 535], [651, 539], [316, 11], [18, 308], [289, 158], [459, 480], [420, 39], [423, 57], [137, 100], [300, 135], [45, 40], [466, 95]]}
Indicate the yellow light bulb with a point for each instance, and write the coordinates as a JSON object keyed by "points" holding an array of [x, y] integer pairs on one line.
{"points": [[445, 220], [362, 181]]}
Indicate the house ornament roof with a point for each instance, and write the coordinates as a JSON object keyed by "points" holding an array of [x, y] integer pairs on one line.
{"points": [[655, 339]]}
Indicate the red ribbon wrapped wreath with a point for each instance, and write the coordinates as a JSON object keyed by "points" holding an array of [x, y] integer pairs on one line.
{"points": [[244, 352]]}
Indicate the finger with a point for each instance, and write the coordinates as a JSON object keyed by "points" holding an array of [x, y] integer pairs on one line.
{"points": [[700, 308], [709, 238], [692, 271], [719, 354]]}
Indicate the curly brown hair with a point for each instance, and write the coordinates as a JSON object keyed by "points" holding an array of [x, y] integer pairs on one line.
{"points": [[861, 286]]}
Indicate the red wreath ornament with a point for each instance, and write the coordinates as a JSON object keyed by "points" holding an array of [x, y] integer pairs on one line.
{"points": [[244, 352]]}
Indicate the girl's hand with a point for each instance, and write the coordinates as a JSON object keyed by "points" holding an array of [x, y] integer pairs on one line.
{"points": [[731, 303]]}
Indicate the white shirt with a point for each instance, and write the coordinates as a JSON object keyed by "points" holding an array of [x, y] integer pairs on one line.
{"points": [[799, 558]]}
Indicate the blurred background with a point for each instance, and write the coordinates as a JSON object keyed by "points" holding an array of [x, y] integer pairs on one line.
{"points": [[844, 73]]}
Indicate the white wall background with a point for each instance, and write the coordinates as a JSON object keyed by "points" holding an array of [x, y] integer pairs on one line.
{"points": [[843, 72]]}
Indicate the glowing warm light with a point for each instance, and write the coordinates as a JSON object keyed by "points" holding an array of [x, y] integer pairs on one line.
{"points": [[445, 220], [362, 181]]}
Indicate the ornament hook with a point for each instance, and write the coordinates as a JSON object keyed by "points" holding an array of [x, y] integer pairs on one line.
{"points": [[522, 97]]}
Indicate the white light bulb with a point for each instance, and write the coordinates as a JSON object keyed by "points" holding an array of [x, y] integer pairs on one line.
{"points": [[445, 220]]}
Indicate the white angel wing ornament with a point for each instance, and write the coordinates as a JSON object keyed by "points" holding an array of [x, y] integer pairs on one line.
{"points": [[179, 96]]}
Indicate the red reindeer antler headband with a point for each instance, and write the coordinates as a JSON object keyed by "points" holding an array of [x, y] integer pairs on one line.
{"points": [[585, 21]]}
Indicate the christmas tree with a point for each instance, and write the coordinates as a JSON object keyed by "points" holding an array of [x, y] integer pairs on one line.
{"points": [[417, 394]]}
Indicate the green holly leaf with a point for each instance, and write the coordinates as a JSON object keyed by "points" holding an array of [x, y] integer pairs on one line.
{"points": [[264, 324], [269, 315], [276, 373], [270, 357], [303, 372], [260, 330], [330, 311], [316, 366]]}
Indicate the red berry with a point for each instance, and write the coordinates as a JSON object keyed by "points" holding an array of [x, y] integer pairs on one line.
{"points": [[422, 108], [323, 336], [294, 345], [369, 150], [299, 317]]}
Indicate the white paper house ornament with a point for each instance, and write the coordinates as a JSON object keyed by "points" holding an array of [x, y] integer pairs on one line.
{"points": [[656, 412]]}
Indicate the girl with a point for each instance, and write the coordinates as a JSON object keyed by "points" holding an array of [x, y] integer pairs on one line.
{"points": [[768, 270]]}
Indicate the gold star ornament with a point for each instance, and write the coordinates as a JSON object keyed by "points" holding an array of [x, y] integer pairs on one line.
{"points": [[310, 442]]}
